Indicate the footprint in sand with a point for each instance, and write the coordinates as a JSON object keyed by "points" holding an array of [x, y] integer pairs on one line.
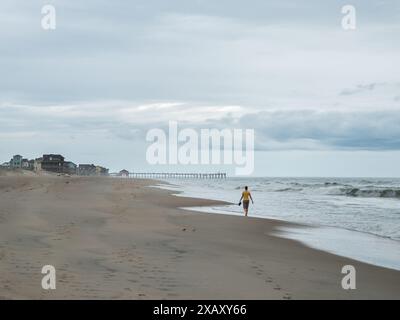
{"points": [[269, 280], [258, 269], [287, 296]]}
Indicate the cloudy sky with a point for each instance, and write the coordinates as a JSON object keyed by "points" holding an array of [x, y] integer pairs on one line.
{"points": [[323, 101]]}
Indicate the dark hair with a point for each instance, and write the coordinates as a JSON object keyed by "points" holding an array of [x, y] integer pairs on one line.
{"points": [[245, 188]]}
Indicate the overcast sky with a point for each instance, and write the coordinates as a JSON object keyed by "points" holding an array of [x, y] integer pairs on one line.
{"points": [[322, 100]]}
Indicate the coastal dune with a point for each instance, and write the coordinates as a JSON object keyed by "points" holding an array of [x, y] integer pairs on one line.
{"points": [[111, 238]]}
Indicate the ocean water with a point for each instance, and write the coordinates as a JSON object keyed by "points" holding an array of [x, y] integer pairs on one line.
{"points": [[353, 217]]}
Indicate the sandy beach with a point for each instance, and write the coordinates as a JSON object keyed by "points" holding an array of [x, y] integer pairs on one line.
{"points": [[111, 238]]}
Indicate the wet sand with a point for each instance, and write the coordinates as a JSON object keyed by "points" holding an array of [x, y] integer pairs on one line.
{"points": [[120, 239]]}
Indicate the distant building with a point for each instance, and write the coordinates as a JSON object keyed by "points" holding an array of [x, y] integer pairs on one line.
{"points": [[92, 170], [53, 163], [16, 162], [101, 171], [70, 167], [37, 164], [5, 165], [27, 164], [31, 164], [124, 173], [87, 170]]}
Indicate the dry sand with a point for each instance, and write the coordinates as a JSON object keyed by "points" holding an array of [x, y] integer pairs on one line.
{"points": [[119, 239]]}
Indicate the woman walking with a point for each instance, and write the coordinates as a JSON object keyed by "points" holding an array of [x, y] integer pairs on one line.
{"points": [[246, 197]]}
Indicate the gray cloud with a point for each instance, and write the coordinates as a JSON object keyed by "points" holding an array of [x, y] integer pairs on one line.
{"points": [[113, 70], [313, 130], [361, 88], [275, 130], [226, 52]]}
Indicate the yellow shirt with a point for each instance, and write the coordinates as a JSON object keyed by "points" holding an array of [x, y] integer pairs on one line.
{"points": [[246, 195]]}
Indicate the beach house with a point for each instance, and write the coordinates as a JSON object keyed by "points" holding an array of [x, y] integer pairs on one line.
{"points": [[37, 164], [124, 173], [87, 170], [16, 162], [101, 171], [26, 164], [92, 170], [70, 167], [5, 165], [53, 163]]}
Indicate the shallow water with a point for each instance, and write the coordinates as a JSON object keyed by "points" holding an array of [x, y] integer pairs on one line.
{"points": [[356, 217]]}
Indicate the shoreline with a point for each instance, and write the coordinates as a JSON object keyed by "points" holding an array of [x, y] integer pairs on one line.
{"points": [[120, 239], [330, 239]]}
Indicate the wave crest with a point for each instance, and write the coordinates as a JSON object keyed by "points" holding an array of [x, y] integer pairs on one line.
{"points": [[371, 193]]}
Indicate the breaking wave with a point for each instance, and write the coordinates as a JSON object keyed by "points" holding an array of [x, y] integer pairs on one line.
{"points": [[340, 189], [371, 193]]}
